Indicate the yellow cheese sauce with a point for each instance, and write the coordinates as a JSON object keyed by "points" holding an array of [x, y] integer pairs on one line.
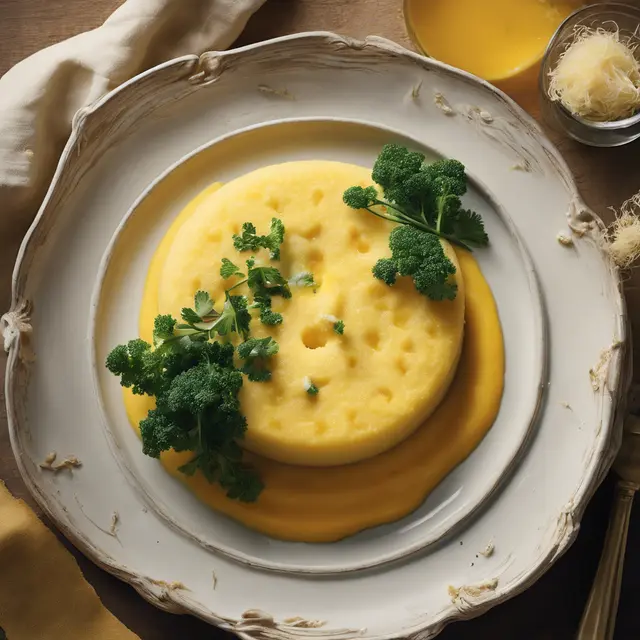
{"points": [[360, 410], [493, 39], [325, 504]]}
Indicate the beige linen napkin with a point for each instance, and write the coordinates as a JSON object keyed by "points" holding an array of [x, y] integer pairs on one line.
{"points": [[38, 98]]}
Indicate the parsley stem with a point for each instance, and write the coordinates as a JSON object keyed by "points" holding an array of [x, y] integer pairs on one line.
{"points": [[441, 201], [424, 217], [388, 205], [380, 215], [439, 220], [237, 284], [405, 219], [452, 240]]}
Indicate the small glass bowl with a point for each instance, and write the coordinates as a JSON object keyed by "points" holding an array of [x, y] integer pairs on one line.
{"points": [[595, 134]]}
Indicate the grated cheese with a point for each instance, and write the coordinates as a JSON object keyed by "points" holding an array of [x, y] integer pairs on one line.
{"points": [[598, 76], [624, 247]]}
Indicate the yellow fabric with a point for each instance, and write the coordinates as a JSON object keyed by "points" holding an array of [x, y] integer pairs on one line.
{"points": [[43, 595]]}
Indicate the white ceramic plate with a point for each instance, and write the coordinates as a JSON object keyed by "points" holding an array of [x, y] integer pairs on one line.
{"points": [[76, 294]]}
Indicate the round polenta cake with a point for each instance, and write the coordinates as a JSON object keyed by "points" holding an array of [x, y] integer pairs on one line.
{"points": [[395, 361]]}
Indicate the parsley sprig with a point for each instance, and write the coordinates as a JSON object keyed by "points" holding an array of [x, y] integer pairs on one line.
{"points": [[249, 240], [196, 385], [424, 199], [264, 282], [255, 352], [424, 196], [190, 368]]}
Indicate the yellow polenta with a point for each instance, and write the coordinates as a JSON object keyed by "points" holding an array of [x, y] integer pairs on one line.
{"points": [[324, 504], [380, 380]]}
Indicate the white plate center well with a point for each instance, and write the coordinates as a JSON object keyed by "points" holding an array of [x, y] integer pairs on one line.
{"points": [[118, 295]]}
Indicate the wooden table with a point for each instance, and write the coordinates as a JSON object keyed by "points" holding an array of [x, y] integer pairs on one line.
{"points": [[549, 610]]}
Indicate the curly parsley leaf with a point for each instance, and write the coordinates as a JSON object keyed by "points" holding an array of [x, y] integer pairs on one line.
{"points": [[160, 432], [420, 255], [255, 352], [138, 367], [163, 329], [424, 196], [267, 315], [196, 386], [249, 240]]}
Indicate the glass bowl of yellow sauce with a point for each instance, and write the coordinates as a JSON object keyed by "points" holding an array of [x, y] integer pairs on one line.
{"points": [[493, 39]]}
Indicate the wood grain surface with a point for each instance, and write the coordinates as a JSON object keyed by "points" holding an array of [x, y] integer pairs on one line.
{"points": [[548, 611]]}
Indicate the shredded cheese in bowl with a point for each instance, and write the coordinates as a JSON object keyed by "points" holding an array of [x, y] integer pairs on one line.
{"points": [[598, 76]]}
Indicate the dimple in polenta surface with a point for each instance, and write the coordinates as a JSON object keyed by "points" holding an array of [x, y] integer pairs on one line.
{"points": [[381, 379]]}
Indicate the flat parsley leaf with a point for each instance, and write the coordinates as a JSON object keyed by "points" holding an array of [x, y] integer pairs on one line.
{"points": [[469, 227], [234, 317], [190, 316], [228, 269], [203, 304], [268, 281]]}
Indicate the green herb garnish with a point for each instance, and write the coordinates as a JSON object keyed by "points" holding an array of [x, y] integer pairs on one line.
{"points": [[228, 269], [425, 199], [255, 352], [424, 196], [249, 240], [196, 385], [303, 279], [193, 376], [420, 255], [265, 283], [309, 387]]}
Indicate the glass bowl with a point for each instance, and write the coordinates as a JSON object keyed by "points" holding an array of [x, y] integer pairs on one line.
{"points": [[595, 134]]}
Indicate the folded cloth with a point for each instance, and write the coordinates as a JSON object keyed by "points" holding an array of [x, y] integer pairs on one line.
{"points": [[43, 595], [39, 96]]}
